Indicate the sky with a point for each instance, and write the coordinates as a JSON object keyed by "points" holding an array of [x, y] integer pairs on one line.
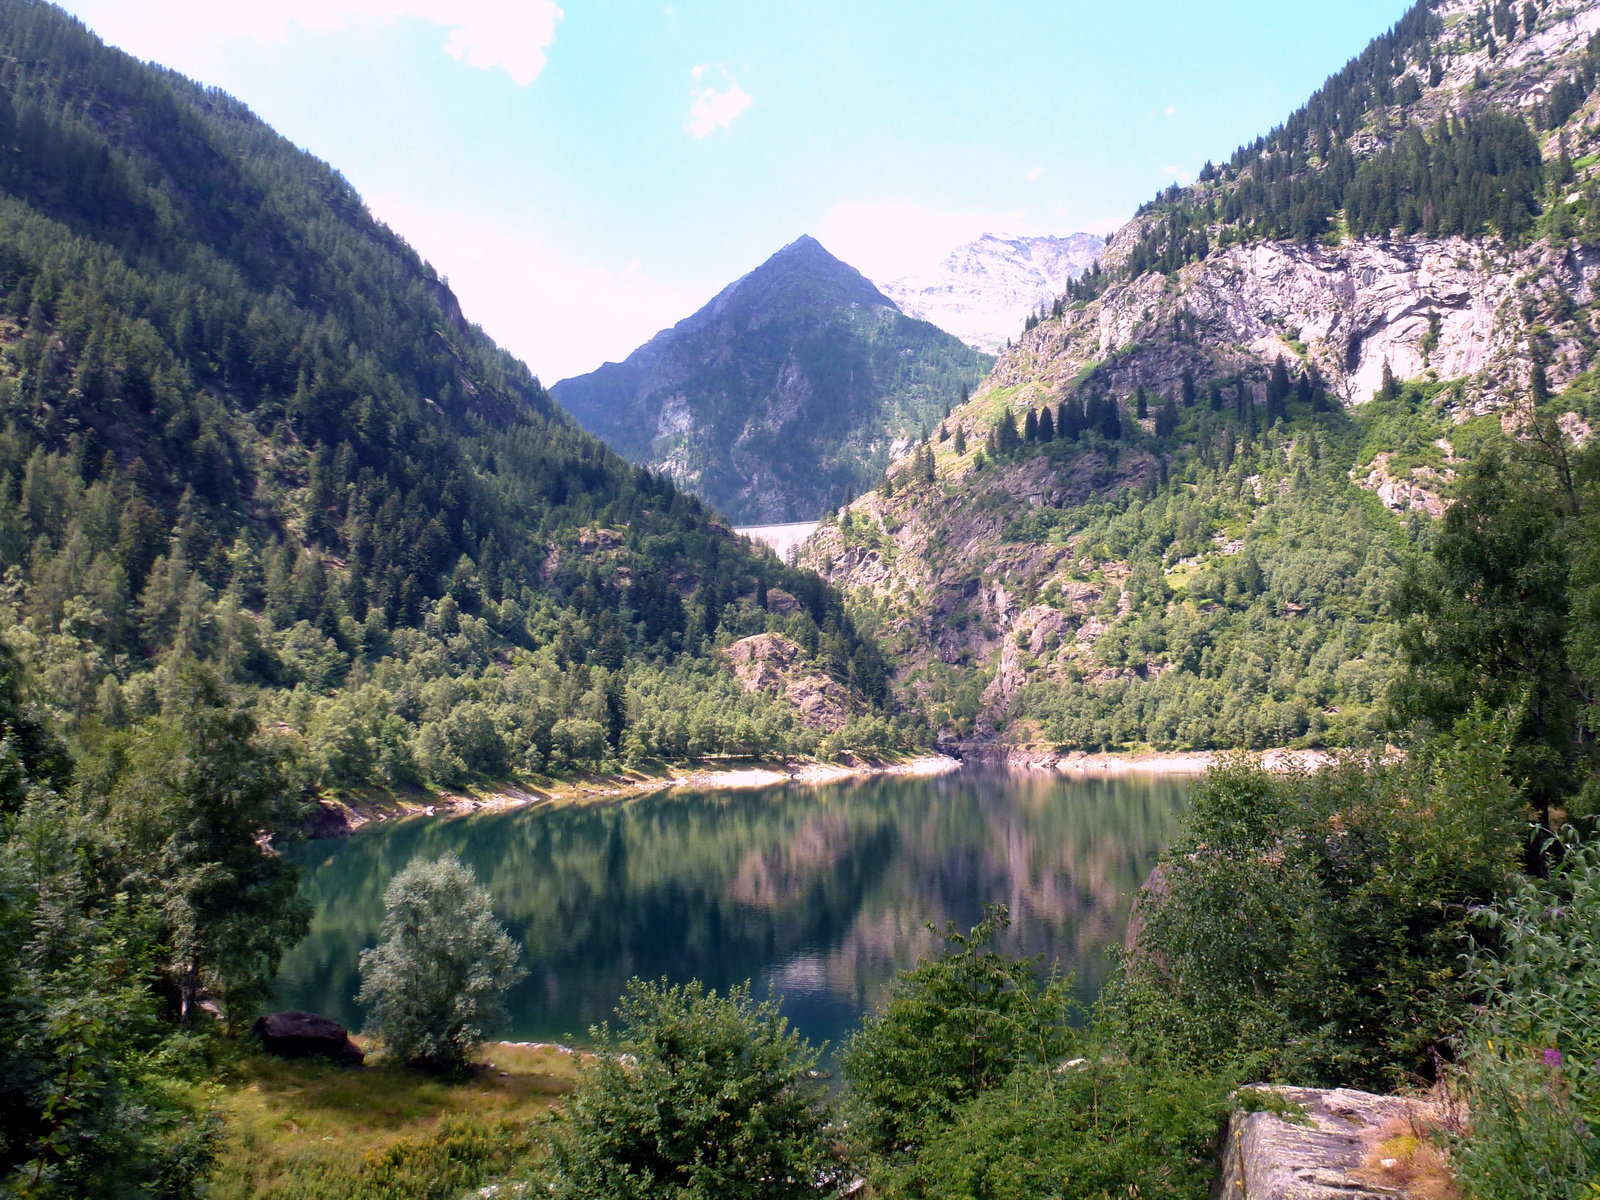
{"points": [[588, 172]]}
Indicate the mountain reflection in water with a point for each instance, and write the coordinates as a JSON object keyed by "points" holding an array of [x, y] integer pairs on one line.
{"points": [[824, 893]]}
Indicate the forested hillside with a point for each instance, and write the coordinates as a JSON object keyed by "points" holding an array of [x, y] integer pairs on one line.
{"points": [[785, 396], [242, 423], [1178, 512]]}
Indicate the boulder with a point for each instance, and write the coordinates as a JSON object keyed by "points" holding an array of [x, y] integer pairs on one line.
{"points": [[305, 1035], [1328, 1147]]}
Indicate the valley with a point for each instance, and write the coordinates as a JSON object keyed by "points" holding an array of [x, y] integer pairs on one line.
{"points": [[1044, 715]]}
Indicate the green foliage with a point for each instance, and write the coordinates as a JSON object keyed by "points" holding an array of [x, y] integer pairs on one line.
{"points": [[97, 1100], [191, 796], [436, 983], [1098, 1129], [1312, 927], [243, 423], [1258, 611], [957, 1025], [1533, 1053], [696, 1096], [1504, 613]]}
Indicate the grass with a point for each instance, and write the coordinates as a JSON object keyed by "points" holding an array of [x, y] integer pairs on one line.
{"points": [[308, 1130]]}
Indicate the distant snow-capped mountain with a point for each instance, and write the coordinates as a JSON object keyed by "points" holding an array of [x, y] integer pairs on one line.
{"points": [[983, 291]]}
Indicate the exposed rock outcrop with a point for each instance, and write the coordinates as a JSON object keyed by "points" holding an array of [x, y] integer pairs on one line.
{"points": [[1329, 1145], [772, 663]]}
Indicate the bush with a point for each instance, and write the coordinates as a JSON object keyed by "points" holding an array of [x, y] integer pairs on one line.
{"points": [[1101, 1128], [434, 987], [1533, 1061], [1312, 926], [696, 1097], [957, 1025]]}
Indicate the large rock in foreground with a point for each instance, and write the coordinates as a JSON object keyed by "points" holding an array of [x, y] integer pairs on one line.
{"points": [[1335, 1148], [297, 1034]]}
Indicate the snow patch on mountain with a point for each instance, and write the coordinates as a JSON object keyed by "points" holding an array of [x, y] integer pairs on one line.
{"points": [[983, 291]]}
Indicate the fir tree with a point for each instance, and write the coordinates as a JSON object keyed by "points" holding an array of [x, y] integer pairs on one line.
{"points": [[1030, 427], [961, 441], [1006, 438], [1047, 425]]}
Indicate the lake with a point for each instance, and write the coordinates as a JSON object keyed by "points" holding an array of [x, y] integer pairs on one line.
{"points": [[823, 893]]}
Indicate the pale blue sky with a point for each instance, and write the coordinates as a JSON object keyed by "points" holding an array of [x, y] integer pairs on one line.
{"points": [[588, 174]]}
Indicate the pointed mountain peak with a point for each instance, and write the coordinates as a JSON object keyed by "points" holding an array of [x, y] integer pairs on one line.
{"points": [[804, 273]]}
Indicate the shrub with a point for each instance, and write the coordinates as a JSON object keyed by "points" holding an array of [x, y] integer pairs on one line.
{"points": [[434, 987], [956, 1025], [1100, 1128], [1313, 925], [1533, 1061], [697, 1096]]}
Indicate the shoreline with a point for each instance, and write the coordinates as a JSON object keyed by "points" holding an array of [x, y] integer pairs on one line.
{"points": [[1026, 759], [337, 818]]}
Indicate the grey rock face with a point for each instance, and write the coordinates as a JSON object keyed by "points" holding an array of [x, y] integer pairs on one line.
{"points": [[1320, 1156], [983, 292], [784, 395]]}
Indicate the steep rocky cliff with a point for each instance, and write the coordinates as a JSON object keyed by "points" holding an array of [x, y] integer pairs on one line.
{"points": [[786, 394], [1207, 560]]}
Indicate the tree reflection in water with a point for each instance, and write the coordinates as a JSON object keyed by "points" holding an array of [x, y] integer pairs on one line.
{"points": [[825, 893]]}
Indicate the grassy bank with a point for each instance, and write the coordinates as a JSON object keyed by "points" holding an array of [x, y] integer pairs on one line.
{"points": [[308, 1130]]}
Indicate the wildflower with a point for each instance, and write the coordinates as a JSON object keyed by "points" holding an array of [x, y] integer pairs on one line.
{"points": [[1552, 1057]]}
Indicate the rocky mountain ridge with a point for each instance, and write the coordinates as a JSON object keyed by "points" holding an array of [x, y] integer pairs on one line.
{"points": [[1099, 592], [984, 290], [783, 396]]}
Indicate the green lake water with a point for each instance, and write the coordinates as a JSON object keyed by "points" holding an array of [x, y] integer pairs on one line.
{"points": [[822, 893]]}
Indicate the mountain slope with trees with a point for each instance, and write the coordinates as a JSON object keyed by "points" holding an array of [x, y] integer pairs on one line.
{"points": [[1178, 510], [242, 423], [783, 397]]}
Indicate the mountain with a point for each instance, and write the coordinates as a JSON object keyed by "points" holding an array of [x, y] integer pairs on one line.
{"points": [[1268, 388], [783, 396], [983, 291], [241, 422]]}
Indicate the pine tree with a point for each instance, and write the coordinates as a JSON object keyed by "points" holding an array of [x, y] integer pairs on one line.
{"points": [[1188, 389], [1047, 425], [1030, 427], [1141, 403], [1111, 420], [944, 434], [1167, 419], [1069, 420], [1278, 388], [1006, 437], [961, 441]]}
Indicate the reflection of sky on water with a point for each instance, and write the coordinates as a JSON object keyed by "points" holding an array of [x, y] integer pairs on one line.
{"points": [[823, 894]]}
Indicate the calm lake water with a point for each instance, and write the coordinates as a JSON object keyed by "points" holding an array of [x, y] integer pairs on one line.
{"points": [[823, 893]]}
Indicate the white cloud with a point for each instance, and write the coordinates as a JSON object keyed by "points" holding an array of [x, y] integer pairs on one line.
{"points": [[1033, 174], [1177, 173], [512, 35], [1171, 111], [560, 315], [712, 110], [886, 241]]}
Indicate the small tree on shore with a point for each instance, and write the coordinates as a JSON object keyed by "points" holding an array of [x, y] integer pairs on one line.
{"points": [[695, 1096], [436, 985]]}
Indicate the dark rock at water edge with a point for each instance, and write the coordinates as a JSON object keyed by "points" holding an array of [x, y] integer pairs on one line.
{"points": [[297, 1034]]}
